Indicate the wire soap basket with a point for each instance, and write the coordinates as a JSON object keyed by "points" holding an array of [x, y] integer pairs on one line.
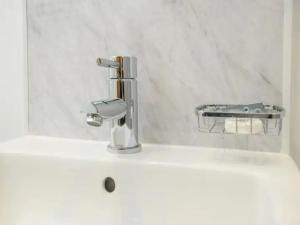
{"points": [[251, 119]]}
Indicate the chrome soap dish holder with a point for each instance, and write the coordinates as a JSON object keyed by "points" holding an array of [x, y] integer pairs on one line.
{"points": [[251, 119]]}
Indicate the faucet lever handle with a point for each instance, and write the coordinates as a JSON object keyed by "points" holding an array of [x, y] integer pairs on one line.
{"points": [[120, 67], [108, 63]]}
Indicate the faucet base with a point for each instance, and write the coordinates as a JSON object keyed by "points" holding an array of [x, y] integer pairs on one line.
{"points": [[122, 150]]}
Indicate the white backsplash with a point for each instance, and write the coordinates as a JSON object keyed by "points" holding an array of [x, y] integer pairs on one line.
{"points": [[190, 52]]}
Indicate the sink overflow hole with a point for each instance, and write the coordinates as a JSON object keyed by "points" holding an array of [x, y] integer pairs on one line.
{"points": [[109, 184]]}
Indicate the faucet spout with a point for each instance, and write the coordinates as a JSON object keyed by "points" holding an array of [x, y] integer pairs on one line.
{"points": [[110, 109]]}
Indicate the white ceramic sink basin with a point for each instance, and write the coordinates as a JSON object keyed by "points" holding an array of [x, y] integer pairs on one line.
{"points": [[49, 181]]}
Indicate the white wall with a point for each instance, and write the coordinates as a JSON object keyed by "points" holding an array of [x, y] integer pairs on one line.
{"points": [[13, 82], [189, 53], [295, 120]]}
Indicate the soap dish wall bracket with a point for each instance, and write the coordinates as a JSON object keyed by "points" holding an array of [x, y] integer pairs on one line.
{"points": [[251, 119]]}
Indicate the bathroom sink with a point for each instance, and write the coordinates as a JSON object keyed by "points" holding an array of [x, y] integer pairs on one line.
{"points": [[51, 181]]}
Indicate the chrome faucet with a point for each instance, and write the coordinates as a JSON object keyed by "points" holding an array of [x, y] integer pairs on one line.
{"points": [[121, 107]]}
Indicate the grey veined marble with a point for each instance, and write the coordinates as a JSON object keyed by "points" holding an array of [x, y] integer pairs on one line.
{"points": [[190, 52]]}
